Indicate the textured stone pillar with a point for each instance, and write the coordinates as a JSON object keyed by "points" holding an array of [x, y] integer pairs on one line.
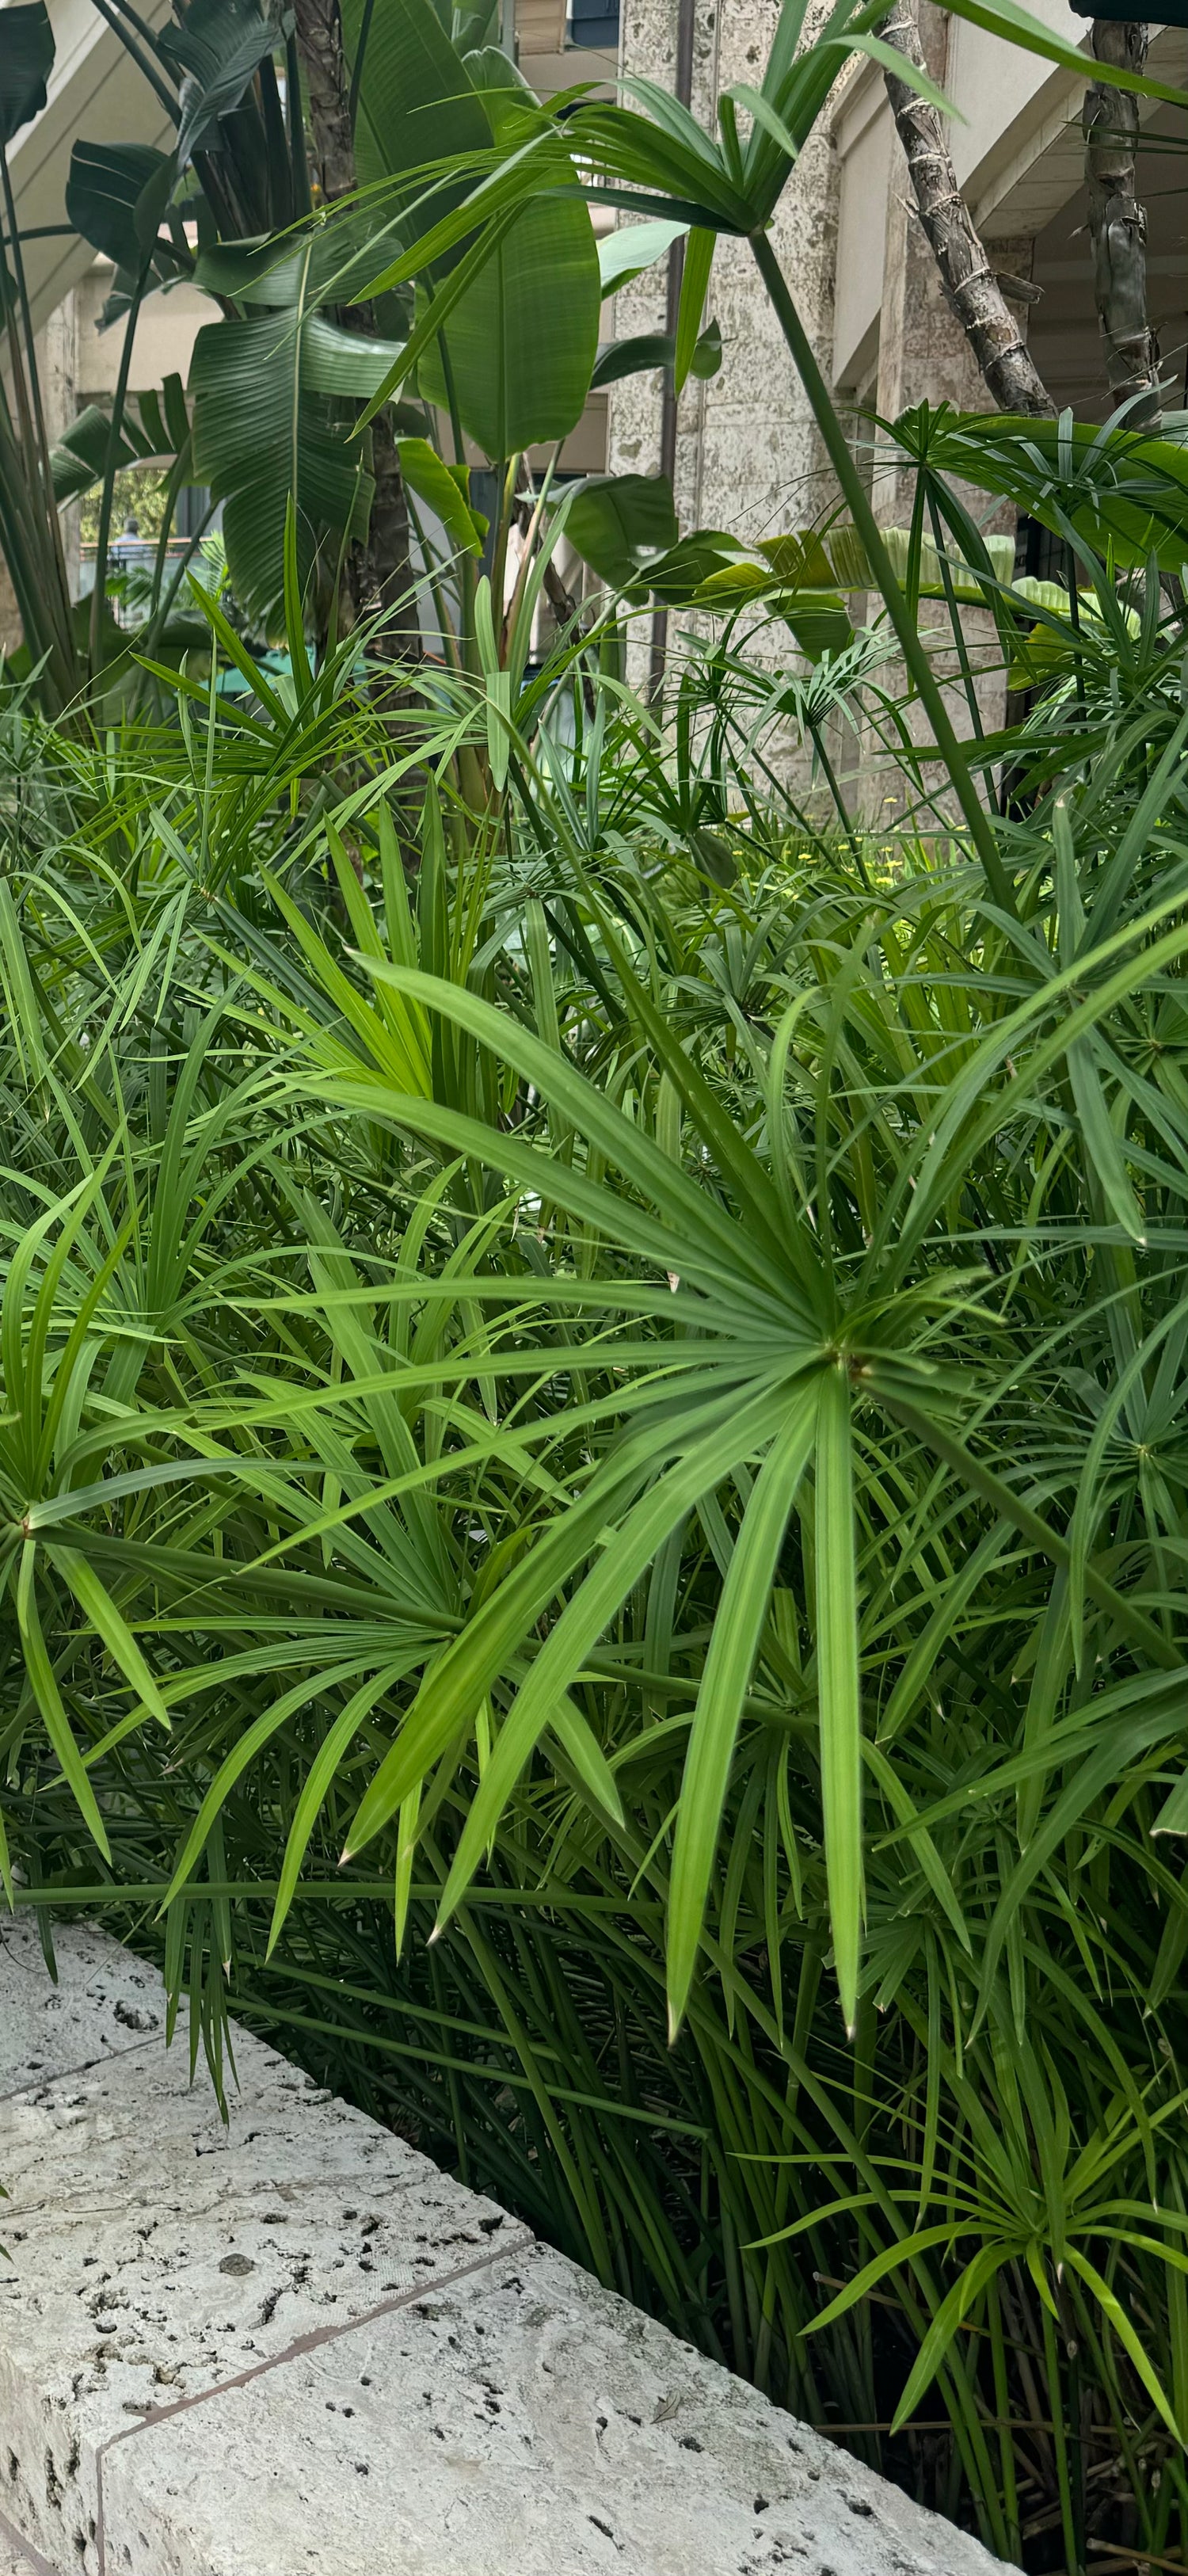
{"points": [[747, 457]]}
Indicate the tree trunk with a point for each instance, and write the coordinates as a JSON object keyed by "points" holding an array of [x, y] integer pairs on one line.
{"points": [[319, 41], [378, 574], [971, 287], [1118, 224]]}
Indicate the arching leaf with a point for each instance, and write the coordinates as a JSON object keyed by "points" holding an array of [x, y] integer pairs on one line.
{"points": [[26, 61]]}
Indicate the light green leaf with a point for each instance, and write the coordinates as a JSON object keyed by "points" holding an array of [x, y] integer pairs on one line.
{"points": [[695, 278], [523, 339], [264, 436], [44, 1685], [632, 248], [442, 490], [108, 1622], [742, 1611]]}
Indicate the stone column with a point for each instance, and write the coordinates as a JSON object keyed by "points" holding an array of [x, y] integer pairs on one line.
{"points": [[747, 456]]}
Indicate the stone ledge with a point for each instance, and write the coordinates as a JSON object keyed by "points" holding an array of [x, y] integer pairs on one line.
{"points": [[293, 2347], [16, 2561]]}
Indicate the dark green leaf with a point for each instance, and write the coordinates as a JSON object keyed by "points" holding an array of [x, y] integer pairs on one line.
{"points": [[106, 185], [620, 523], [26, 61], [262, 433], [216, 50]]}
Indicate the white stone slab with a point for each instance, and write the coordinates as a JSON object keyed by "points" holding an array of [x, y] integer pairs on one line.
{"points": [[157, 2254], [521, 2423], [291, 2347], [15, 2561], [104, 2002]]}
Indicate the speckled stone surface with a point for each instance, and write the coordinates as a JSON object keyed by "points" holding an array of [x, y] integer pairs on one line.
{"points": [[522, 2423], [289, 2346], [156, 2254], [15, 2561], [104, 2002]]}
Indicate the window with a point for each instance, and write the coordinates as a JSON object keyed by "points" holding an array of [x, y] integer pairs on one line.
{"points": [[594, 22]]}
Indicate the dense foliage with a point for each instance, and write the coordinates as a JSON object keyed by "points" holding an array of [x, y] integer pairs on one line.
{"points": [[593, 1359], [623, 1365]]}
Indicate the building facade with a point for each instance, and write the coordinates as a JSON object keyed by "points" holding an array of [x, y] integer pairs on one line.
{"points": [[742, 446], [852, 248]]}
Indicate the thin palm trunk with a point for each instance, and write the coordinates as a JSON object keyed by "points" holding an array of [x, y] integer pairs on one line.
{"points": [[1118, 224], [970, 284]]}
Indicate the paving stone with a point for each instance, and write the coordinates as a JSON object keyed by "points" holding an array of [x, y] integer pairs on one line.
{"points": [[15, 2561], [104, 2002], [157, 2254], [523, 2422], [289, 2346]]}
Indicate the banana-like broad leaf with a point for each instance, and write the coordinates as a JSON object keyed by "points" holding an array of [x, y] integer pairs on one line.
{"points": [[330, 260], [523, 339], [637, 357], [113, 197], [1051, 648], [215, 51], [80, 457], [512, 105], [851, 569], [791, 576], [620, 523], [26, 61], [819, 619], [678, 576], [417, 103], [271, 422]]}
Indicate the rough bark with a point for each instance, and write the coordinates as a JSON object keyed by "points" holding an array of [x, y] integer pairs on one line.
{"points": [[378, 574], [319, 40], [971, 287], [1118, 223]]}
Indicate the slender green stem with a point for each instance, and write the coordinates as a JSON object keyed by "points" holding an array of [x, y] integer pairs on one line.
{"points": [[1060, 2445], [981, 828], [1002, 2401], [962, 650], [506, 473], [167, 97], [99, 593], [360, 59], [28, 374]]}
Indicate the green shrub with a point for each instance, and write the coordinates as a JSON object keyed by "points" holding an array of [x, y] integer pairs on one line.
{"points": [[648, 1414]]}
